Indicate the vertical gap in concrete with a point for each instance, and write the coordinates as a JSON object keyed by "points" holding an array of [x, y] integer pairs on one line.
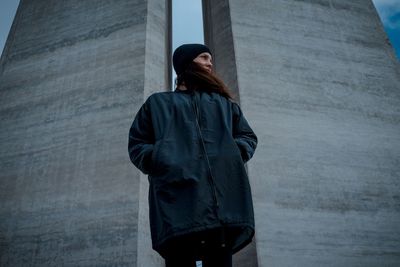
{"points": [[187, 24], [219, 37]]}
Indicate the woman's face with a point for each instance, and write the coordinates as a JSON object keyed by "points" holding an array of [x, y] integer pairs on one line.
{"points": [[204, 60]]}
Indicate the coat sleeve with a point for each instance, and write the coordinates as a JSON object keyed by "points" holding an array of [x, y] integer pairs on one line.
{"points": [[141, 139], [243, 135]]}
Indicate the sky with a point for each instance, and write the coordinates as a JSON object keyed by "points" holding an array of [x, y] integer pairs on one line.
{"points": [[389, 12], [185, 11], [187, 22], [7, 13]]}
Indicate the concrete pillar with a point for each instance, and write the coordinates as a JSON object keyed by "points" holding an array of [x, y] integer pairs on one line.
{"points": [[72, 76], [157, 77], [218, 36], [319, 83]]}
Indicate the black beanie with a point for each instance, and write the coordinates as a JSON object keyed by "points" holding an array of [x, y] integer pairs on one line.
{"points": [[185, 54]]}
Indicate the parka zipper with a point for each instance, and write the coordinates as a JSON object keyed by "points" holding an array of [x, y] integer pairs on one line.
{"points": [[211, 177]]}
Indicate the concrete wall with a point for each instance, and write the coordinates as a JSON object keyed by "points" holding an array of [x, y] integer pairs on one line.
{"points": [[319, 83], [72, 77]]}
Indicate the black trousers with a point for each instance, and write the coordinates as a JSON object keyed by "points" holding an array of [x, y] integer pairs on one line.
{"points": [[215, 258], [210, 246]]}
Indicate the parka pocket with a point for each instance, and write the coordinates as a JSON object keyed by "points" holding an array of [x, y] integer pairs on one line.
{"points": [[155, 156]]}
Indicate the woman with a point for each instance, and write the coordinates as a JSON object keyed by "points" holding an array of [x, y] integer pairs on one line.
{"points": [[193, 144]]}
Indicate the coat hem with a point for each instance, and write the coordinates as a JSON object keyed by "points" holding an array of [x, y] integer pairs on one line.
{"points": [[159, 245]]}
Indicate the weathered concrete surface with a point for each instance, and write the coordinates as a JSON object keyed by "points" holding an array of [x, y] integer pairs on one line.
{"points": [[320, 84], [72, 78], [218, 30], [218, 36]]}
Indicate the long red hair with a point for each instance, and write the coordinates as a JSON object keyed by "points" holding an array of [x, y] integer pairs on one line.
{"points": [[194, 77]]}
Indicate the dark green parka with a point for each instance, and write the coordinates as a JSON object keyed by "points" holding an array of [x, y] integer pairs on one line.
{"points": [[193, 145]]}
